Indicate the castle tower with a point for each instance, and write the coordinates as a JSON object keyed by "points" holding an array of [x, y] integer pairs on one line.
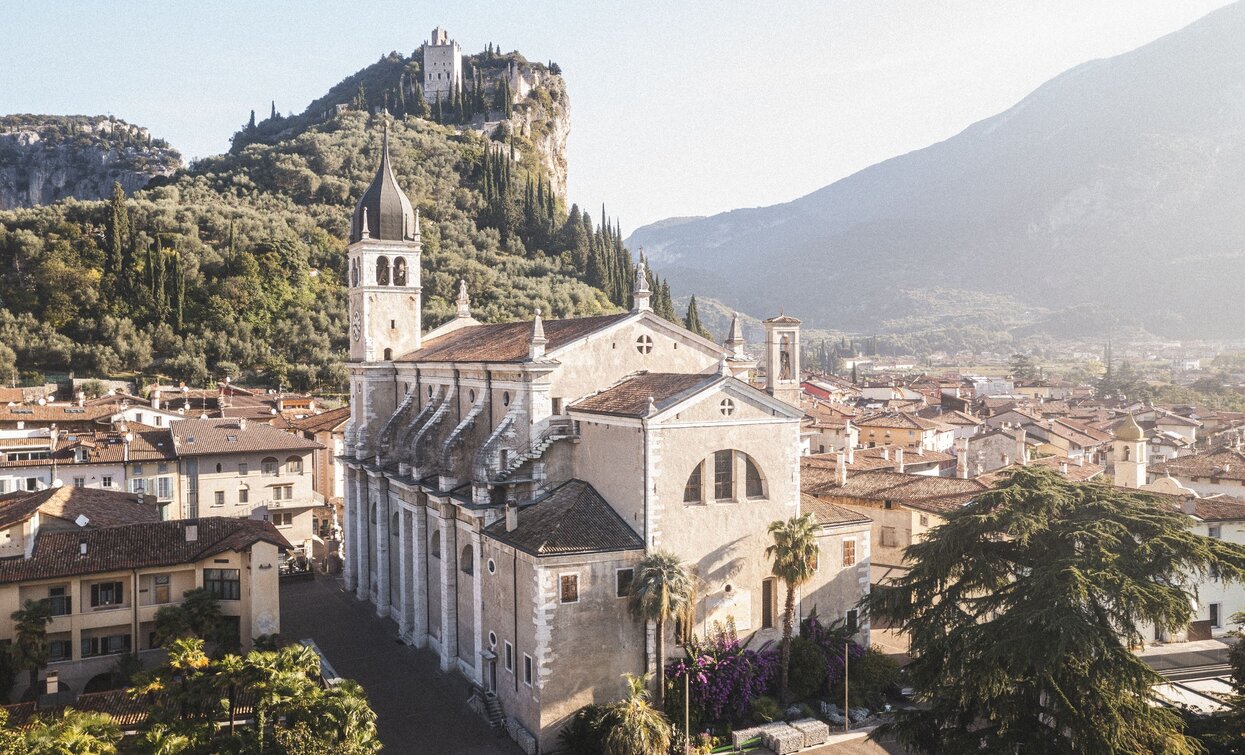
{"points": [[443, 66], [782, 358], [385, 304], [1129, 450]]}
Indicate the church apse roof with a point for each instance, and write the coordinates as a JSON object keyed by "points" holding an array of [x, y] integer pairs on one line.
{"points": [[572, 518], [630, 397]]}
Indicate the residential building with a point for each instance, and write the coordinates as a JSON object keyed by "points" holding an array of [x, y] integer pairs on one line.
{"points": [[106, 563]]}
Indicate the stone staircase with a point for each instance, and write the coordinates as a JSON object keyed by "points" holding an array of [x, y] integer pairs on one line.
{"points": [[493, 712]]}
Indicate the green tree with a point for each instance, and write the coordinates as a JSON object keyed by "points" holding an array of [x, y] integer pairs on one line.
{"points": [[30, 649], [74, 733], [793, 557], [1024, 368], [662, 589], [692, 321], [1021, 609], [637, 727]]}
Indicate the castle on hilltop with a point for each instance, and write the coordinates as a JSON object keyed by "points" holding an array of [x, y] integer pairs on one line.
{"points": [[443, 65]]}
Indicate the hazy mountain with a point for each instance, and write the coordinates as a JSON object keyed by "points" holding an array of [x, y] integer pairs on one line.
{"points": [[1116, 188]]}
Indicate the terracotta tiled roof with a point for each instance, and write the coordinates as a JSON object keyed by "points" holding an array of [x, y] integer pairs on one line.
{"points": [[130, 712], [135, 546], [572, 518], [901, 420], [918, 491], [1075, 472], [1223, 464], [322, 422], [197, 437], [629, 397], [59, 413], [506, 342], [827, 513], [1220, 508], [101, 447], [104, 508]]}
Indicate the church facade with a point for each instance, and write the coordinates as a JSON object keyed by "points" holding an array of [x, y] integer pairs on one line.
{"points": [[504, 480]]}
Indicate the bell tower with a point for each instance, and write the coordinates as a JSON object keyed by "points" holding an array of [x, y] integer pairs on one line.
{"points": [[1129, 452], [782, 358], [384, 251]]}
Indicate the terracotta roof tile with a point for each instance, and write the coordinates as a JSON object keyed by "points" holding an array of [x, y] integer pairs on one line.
{"points": [[827, 513], [572, 518], [104, 508], [506, 342], [629, 397], [135, 546], [197, 437], [1223, 464], [322, 422]]}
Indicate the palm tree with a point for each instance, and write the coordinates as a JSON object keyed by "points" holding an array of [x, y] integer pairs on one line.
{"points": [[794, 556], [635, 726], [661, 589], [162, 739], [74, 733], [343, 710], [230, 674], [30, 646], [187, 662]]}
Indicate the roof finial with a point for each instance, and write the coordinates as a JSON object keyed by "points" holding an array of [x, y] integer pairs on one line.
{"points": [[463, 300], [640, 293], [652, 405], [536, 346], [365, 233], [416, 221], [735, 338]]}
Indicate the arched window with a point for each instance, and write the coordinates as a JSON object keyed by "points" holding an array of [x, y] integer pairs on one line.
{"points": [[372, 515], [388, 355], [466, 562], [435, 546], [1128, 453], [382, 271], [644, 344], [394, 525], [354, 272], [294, 465], [269, 466], [693, 490], [754, 486], [399, 271]]}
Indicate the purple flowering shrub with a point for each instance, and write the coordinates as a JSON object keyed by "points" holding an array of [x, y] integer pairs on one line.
{"points": [[831, 638], [724, 674]]}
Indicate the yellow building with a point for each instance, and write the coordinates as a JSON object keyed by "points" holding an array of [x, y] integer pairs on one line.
{"points": [[106, 564]]}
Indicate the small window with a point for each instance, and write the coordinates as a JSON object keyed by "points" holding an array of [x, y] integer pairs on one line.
{"points": [[244, 494], [492, 566], [849, 552], [622, 582], [106, 482], [1214, 531], [509, 656], [435, 547], [471, 397], [107, 594], [269, 466], [767, 603], [79, 482], [243, 468], [692, 490], [754, 488], [224, 584], [138, 469], [294, 465], [492, 639], [568, 588], [466, 560], [160, 588], [1215, 615], [889, 538], [924, 519], [527, 669], [505, 398], [218, 498], [644, 344], [399, 271], [382, 270], [727, 407]]}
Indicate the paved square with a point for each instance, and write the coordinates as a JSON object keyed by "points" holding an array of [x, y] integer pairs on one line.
{"points": [[419, 709]]}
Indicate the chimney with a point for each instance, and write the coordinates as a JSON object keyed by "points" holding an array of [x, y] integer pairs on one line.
{"points": [[155, 399], [1022, 455], [1080, 460], [81, 547], [242, 424], [192, 533], [81, 399], [512, 516], [850, 451], [1063, 468], [53, 683], [840, 470], [886, 453], [961, 459], [899, 460], [1007, 460]]}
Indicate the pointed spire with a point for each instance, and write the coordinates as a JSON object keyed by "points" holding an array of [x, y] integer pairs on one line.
{"points": [[536, 346], [417, 221], [735, 338], [724, 369], [463, 300], [640, 293], [365, 233]]}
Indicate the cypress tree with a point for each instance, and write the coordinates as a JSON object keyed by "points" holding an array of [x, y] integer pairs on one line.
{"points": [[250, 125], [274, 109], [438, 111], [421, 105], [692, 321]]}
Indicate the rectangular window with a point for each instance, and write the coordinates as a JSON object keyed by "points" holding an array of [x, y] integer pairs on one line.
{"points": [[849, 552], [109, 645], [286, 519], [269, 467], [218, 498], [692, 491], [137, 469], [924, 520], [243, 468], [160, 588], [138, 486], [165, 487], [853, 619], [1214, 531], [107, 594], [159, 421], [509, 657], [889, 539], [32, 483], [724, 475], [294, 466], [767, 604], [225, 584], [163, 468], [107, 481], [60, 650], [4, 486], [60, 601], [1214, 615], [79, 482], [244, 495], [569, 588], [622, 579], [527, 669]]}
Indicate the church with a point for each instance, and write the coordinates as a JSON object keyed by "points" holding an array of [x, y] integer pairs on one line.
{"points": [[503, 481]]}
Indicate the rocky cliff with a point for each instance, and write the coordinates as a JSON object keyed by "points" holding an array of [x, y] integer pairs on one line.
{"points": [[46, 158]]}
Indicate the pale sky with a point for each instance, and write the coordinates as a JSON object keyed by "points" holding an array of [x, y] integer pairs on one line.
{"points": [[685, 108]]}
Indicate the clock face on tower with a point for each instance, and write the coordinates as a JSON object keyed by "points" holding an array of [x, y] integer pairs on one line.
{"points": [[355, 327]]}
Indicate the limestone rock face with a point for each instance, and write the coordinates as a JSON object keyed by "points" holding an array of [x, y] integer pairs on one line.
{"points": [[546, 119], [47, 158]]}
